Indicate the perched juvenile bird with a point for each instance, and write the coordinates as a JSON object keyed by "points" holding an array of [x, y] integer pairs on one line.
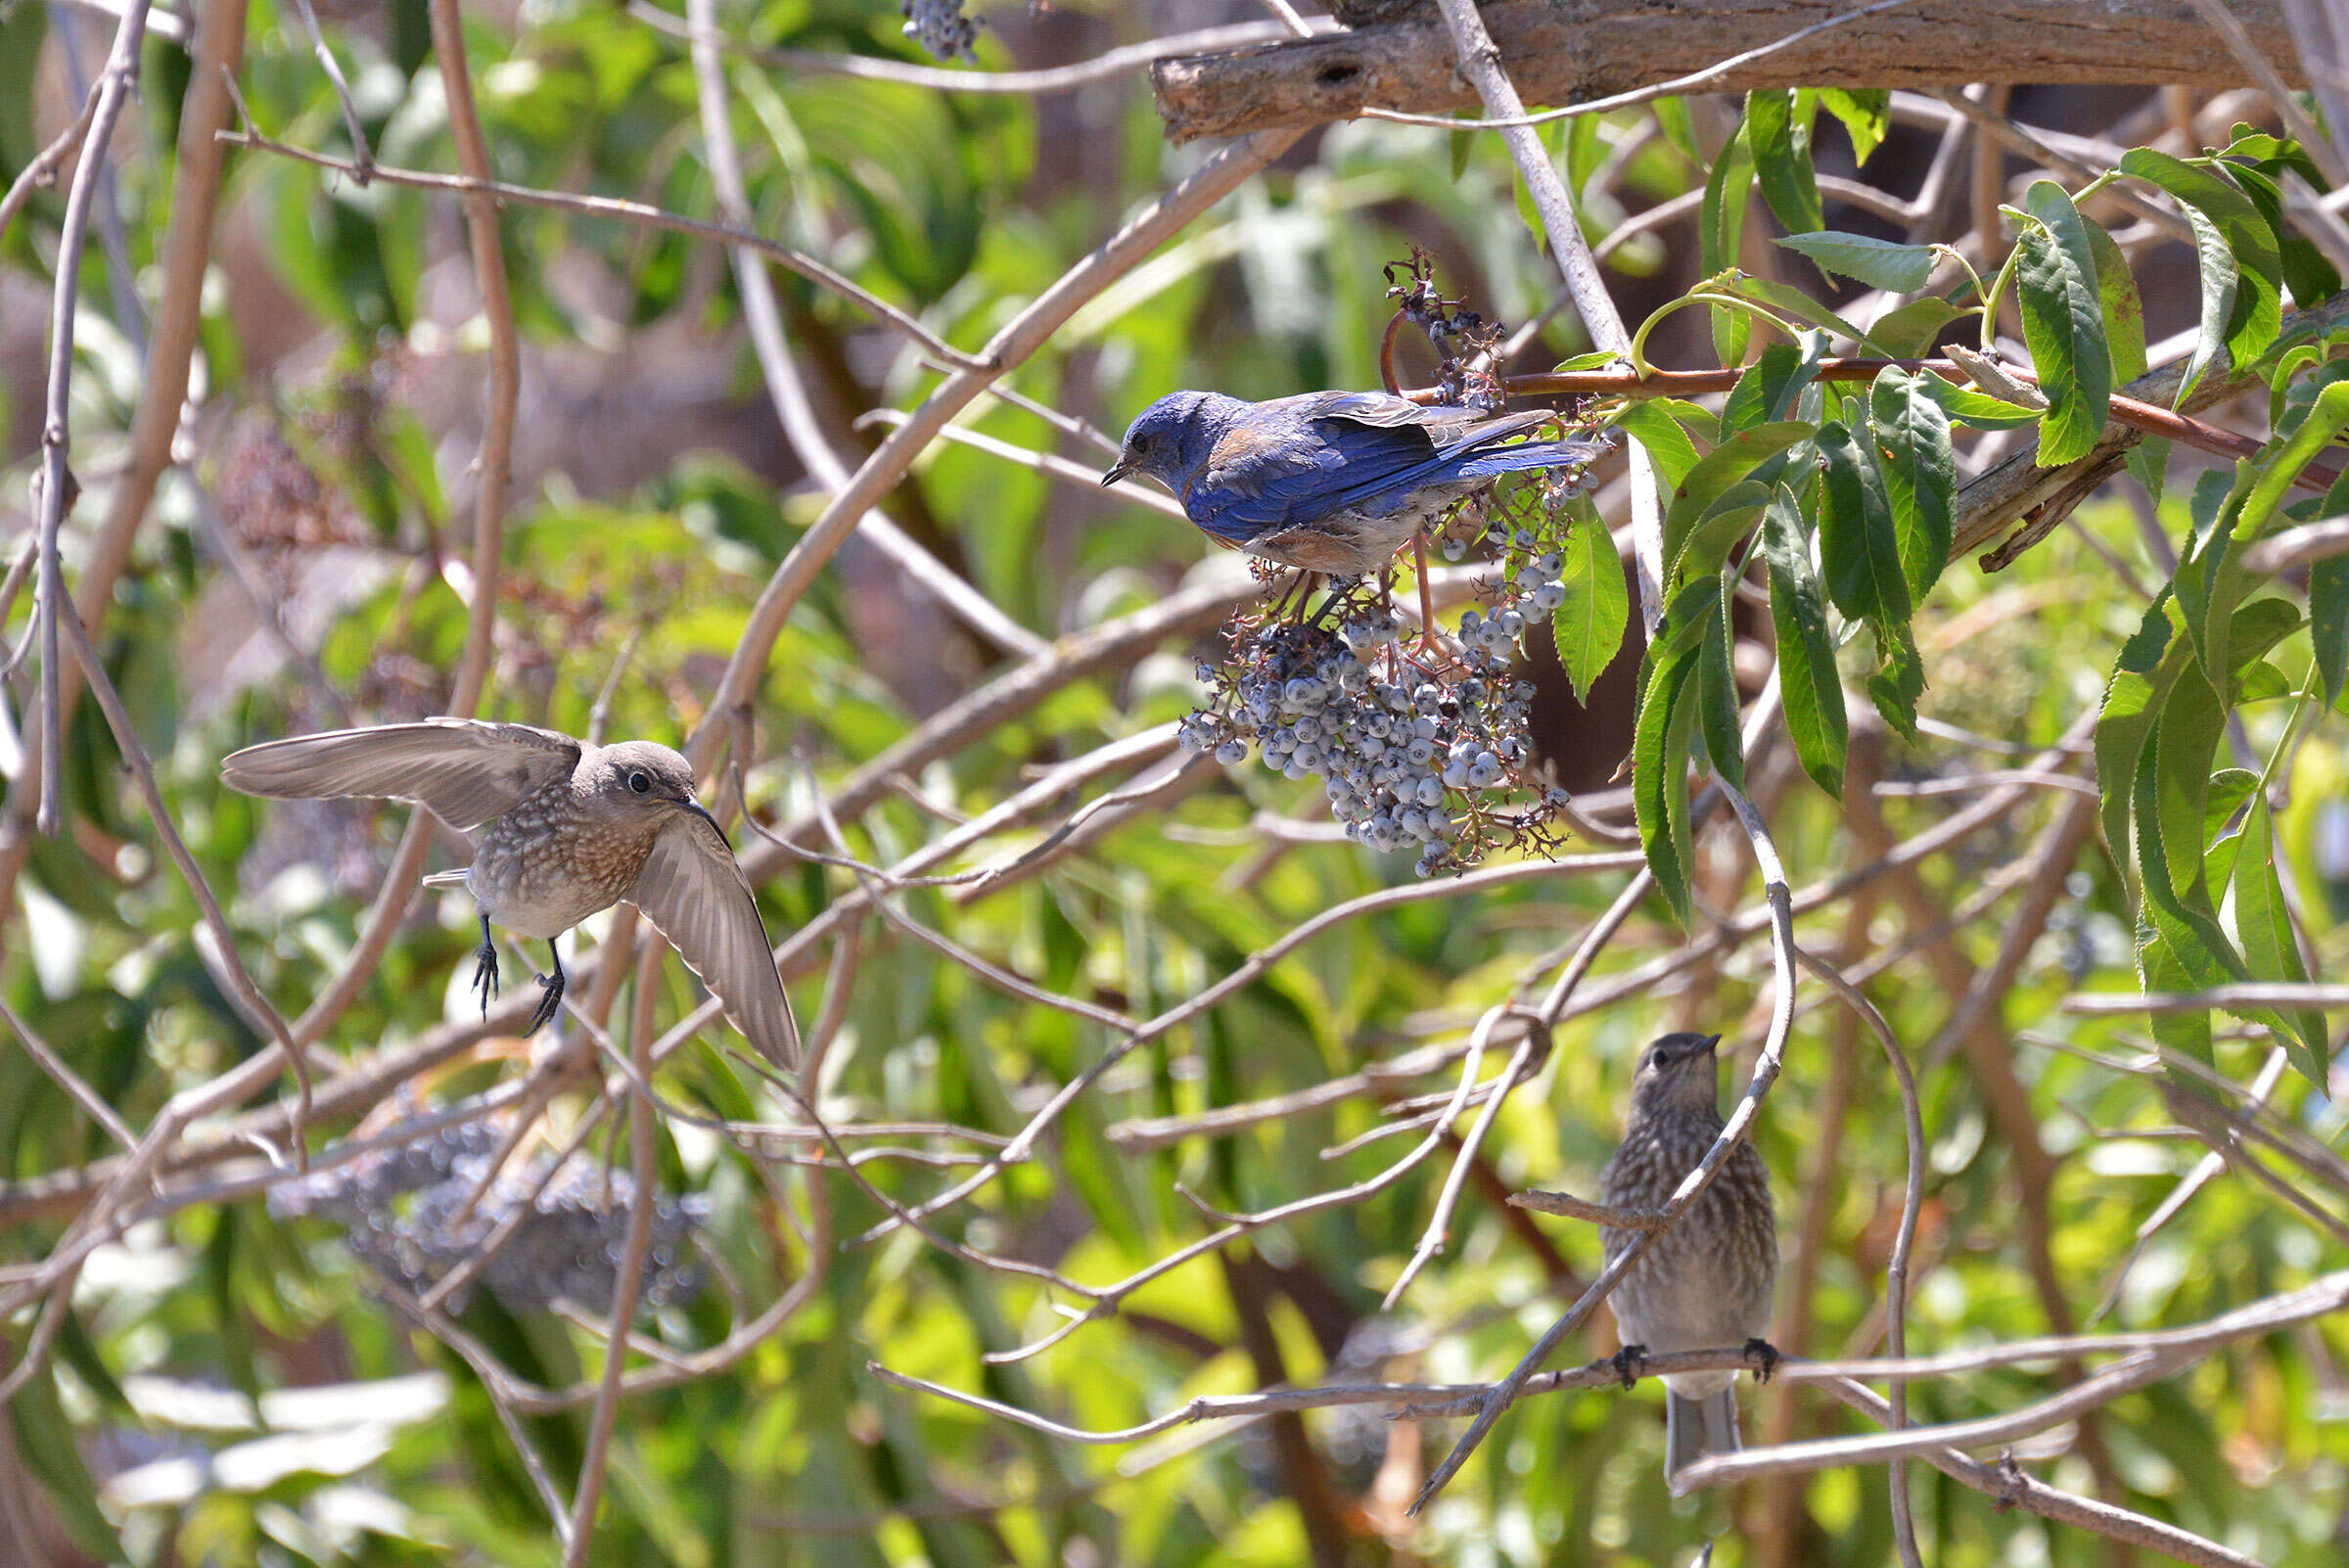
{"points": [[1328, 481], [566, 829], [1706, 1283]]}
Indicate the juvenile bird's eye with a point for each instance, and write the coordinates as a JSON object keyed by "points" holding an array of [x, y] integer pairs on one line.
{"points": [[640, 781]]}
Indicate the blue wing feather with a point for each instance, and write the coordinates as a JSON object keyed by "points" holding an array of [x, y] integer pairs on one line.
{"points": [[1300, 459]]}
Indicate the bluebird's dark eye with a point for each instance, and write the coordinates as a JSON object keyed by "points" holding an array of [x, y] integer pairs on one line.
{"points": [[640, 781]]}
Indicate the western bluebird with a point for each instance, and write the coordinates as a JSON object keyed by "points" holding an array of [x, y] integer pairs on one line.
{"points": [[1706, 1283], [1329, 481], [566, 829]]}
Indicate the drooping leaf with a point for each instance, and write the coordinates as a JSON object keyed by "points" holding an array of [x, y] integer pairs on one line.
{"points": [[1772, 385], [1706, 543], [2271, 949], [1719, 224], [2149, 663], [2328, 604], [1589, 623], [1650, 422], [2248, 240], [1807, 684], [1859, 553], [1734, 459], [2217, 275], [1878, 263], [1717, 696], [1908, 332], [2124, 308], [1920, 474], [2063, 324], [2305, 272], [1660, 739], [1899, 678], [1864, 111], [2149, 462], [1777, 127]]}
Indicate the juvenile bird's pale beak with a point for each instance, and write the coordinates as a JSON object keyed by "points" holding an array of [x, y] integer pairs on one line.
{"points": [[1117, 471]]}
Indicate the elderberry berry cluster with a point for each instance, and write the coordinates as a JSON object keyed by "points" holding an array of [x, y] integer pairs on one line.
{"points": [[941, 27], [1410, 756], [416, 1211]]}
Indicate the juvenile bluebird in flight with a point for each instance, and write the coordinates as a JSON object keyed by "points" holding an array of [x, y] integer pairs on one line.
{"points": [[1706, 1283], [1332, 482], [564, 829]]}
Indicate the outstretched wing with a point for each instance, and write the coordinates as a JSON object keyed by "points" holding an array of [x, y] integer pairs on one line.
{"points": [[464, 770], [692, 889], [1299, 459]]}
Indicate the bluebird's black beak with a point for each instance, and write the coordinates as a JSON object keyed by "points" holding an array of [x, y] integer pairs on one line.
{"points": [[1117, 471], [1711, 1040]]}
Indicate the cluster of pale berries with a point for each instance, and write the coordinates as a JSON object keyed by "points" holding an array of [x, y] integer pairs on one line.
{"points": [[1406, 755], [418, 1209], [941, 27]]}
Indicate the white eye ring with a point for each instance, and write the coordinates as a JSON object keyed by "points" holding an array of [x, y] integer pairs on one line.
{"points": [[640, 781]]}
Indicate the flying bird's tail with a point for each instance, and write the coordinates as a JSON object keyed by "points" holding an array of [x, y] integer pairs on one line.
{"points": [[1695, 1425], [1493, 461]]}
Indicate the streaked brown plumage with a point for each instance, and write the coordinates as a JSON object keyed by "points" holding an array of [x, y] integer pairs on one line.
{"points": [[1706, 1283], [564, 829]]}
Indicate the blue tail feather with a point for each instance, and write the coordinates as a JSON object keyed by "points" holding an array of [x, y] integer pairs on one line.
{"points": [[1499, 460]]}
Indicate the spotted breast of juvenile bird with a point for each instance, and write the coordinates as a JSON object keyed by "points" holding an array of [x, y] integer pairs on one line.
{"points": [[1332, 482], [1706, 1283], [561, 829]]}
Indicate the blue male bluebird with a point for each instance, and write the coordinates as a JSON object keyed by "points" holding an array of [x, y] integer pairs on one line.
{"points": [[1330, 482]]}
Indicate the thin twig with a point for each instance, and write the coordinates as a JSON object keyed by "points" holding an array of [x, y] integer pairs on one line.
{"points": [[54, 493], [482, 186]]}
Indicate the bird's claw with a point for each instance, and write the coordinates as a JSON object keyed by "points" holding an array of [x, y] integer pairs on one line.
{"points": [[550, 1002], [1628, 1362], [485, 975], [1763, 1357]]}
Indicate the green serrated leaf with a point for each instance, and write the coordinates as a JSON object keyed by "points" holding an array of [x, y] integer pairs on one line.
{"points": [[1864, 114], [1734, 459], [2271, 949], [1717, 698], [1589, 623], [2124, 308], [1807, 684], [1660, 740], [1678, 126], [2149, 663], [1706, 545], [1777, 127], [2148, 463], [1908, 332], [1772, 385], [1859, 553], [2173, 782], [2250, 245], [2307, 273], [1650, 422], [2328, 604], [1878, 263], [1978, 410], [1720, 225], [1899, 679], [1920, 474], [2063, 324], [2327, 416]]}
